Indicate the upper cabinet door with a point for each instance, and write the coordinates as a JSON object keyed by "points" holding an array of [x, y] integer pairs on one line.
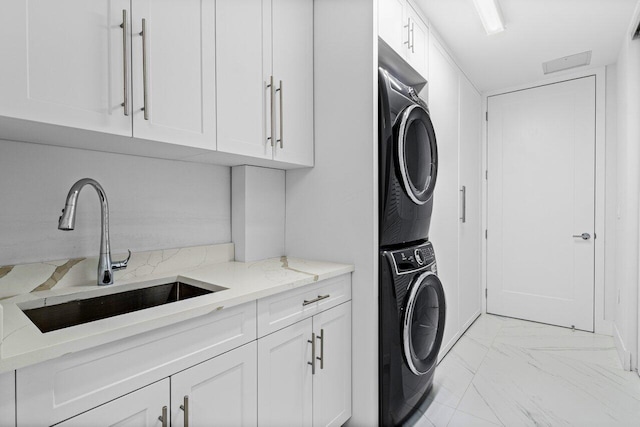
{"points": [[292, 23], [65, 63], [418, 45], [392, 24], [242, 77], [173, 68]]}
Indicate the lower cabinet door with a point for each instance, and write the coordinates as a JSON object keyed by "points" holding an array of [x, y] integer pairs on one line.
{"points": [[144, 407], [332, 381], [285, 377], [219, 392]]}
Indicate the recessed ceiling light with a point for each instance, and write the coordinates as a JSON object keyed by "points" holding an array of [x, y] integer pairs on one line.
{"points": [[567, 62], [490, 15]]}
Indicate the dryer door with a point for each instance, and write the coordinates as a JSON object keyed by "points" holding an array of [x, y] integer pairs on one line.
{"points": [[423, 324], [416, 153]]}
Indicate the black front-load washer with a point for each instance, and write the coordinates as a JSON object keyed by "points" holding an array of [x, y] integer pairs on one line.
{"points": [[411, 326], [408, 157]]}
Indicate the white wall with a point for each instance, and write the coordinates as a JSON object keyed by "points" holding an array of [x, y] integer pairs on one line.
{"points": [[611, 192], [628, 108], [332, 208], [154, 204]]}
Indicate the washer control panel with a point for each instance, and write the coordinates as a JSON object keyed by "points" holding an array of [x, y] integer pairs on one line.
{"points": [[413, 258]]}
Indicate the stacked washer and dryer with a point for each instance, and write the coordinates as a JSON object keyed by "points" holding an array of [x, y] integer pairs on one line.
{"points": [[412, 302]]}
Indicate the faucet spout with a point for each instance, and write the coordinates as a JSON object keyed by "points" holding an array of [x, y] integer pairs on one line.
{"points": [[68, 219]]}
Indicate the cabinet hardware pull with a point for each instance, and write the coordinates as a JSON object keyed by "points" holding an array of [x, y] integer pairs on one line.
{"points": [[313, 354], [272, 93], [281, 140], [463, 192], [163, 417], [143, 33], [321, 358], [412, 39], [408, 27], [320, 297], [125, 63], [185, 408]]}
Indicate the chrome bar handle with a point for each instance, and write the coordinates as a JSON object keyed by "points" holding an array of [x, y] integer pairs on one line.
{"points": [[412, 39], [313, 354], [281, 117], [583, 236], [271, 86], [321, 358], [463, 191], [164, 418], [125, 62], [143, 33], [408, 27], [185, 408], [320, 297]]}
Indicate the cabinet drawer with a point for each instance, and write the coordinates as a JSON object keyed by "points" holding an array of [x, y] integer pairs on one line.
{"points": [[281, 310], [63, 387]]}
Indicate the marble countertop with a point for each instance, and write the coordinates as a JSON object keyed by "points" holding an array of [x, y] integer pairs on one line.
{"points": [[23, 344]]}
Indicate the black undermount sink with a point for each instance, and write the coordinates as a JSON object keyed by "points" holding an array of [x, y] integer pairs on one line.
{"points": [[71, 313]]}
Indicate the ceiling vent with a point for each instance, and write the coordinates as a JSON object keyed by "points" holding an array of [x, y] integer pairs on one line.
{"points": [[567, 62]]}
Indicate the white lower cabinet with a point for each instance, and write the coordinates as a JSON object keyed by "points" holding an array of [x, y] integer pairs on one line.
{"points": [[219, 392], [284, 360], [304, 372], [8, 399], [147, 407]]}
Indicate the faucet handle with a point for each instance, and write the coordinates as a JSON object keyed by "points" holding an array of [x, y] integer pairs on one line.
{"points": [[121, 265]]}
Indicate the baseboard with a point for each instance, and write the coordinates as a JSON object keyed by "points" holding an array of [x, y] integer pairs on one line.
{"points": [[623, 353]]}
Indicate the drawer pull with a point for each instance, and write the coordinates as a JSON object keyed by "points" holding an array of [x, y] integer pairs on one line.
{"points": [[320, 297]]}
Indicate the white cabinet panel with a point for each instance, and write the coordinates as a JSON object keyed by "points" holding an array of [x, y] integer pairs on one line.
{"points": [[140, 408], [221, 391], [471, 178], [242, 95], [418, 46], [332, 382], [177, 86], [64, 63], [392, 23], [8, 398], [293, 66], [444, 109], [285, 378]]}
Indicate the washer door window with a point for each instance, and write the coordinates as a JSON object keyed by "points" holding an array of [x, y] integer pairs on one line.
{"points": [[416, 153], [423, 324]]}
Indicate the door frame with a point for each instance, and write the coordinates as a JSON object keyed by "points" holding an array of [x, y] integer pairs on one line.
{"points": [[602, 325]]}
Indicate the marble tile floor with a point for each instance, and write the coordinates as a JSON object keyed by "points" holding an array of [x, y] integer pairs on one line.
{"points": [[510, 372]]}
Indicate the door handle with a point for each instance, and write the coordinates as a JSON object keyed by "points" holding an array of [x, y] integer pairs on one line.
{"points": [[272, 92], [583, 236], [143, 33], [164, 418], [463, 192], [185, 409], [313, 353], [125, 69]]}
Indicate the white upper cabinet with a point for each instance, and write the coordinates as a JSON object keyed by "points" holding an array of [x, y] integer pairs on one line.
{"points": [[64, 62], [404, 30], [293, 70], [173, 69], [260, 42]]}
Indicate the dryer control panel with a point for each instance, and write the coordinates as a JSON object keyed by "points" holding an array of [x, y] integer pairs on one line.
{"points": [[413, 258]]}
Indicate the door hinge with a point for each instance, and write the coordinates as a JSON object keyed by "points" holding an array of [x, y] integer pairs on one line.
{"points": [[486, 116], [486, 234], [486, 175], [486, 292]]}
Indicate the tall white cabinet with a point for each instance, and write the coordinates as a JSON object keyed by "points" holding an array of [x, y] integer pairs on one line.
{"points": [[455, 108]]}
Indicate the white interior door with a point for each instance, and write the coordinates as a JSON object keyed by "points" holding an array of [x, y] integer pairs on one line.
{"points": [[541, 191]]}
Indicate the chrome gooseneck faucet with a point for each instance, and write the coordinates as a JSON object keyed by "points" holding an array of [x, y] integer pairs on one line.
{"points": [[68, 219]]}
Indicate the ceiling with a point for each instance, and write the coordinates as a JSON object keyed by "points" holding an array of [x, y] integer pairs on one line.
{"points": [[536, 31]]}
